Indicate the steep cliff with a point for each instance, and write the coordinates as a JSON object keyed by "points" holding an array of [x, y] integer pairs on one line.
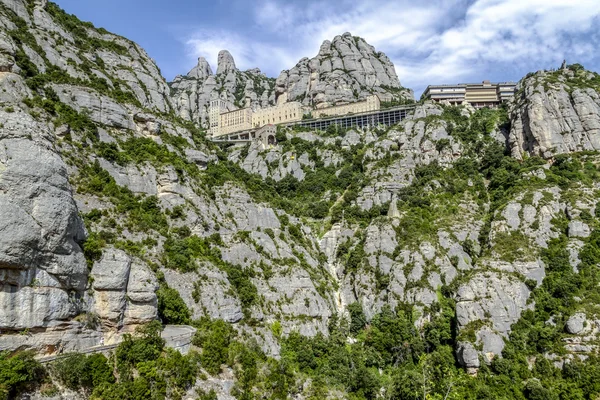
{"points": [[556, 112], [192, 93]]}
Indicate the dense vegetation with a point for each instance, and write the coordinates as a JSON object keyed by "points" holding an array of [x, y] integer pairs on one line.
{"points": [[18, 372], [387, 358]]}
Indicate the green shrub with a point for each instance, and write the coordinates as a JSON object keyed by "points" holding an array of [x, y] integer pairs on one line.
{"points": [[17, 372], [77, 371], [214, 337], [171, 307]]}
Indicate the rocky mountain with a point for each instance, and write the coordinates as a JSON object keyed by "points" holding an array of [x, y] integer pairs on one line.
{"points": [[192, 93], [556, 112], [346, 69], [358, 263]]}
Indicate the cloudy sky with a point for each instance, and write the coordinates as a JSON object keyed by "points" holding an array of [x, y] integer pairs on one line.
{"points": [[430, 41]]}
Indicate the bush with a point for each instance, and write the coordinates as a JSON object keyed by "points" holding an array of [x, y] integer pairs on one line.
{"points": [[171, 307], [80, 371], [17, 372], [358, 319], [214, 337]]}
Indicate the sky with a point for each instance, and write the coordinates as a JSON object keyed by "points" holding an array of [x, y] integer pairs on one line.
{"points": [[429, 42]]}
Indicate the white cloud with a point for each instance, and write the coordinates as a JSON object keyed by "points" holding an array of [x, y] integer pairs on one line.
{"points": [[247, 54], [429, 42]]}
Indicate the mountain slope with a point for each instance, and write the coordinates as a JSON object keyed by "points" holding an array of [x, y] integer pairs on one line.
{"points": [[556, 112], [347, 263]]}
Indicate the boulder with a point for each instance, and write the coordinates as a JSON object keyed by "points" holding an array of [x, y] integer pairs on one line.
{"points": [[576, 323]]}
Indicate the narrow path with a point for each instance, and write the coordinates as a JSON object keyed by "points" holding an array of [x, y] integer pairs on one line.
{"points": [[178, 337]]}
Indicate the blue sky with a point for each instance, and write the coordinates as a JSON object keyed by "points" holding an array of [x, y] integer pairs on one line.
{"points": [[430, 42]]}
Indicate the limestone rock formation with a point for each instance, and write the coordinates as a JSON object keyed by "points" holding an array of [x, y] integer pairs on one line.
{"points": [[346, 69], [192, 93], [106, 195], [41, 262], [556, 112]]}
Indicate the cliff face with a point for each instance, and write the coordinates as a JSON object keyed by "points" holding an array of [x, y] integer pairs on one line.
{"points": [[556, 112], [346, 69], [46, 56]]}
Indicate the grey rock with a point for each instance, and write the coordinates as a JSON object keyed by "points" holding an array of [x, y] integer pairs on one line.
{"points": [[495, 298], [66, 337], [101, 109], [492, 343], [178, 337], [344, 70], [111, 272], [511, 213], [192, 93], [576, 323], [225, 63], [63, 130], [142, 303], [468, 355], [138, 179], [197, 157], [554, 118], [578, 229], [41, 261], [351, 138], [201, 71]]}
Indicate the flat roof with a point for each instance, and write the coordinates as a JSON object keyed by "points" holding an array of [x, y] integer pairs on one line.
{"points": [[239, 109], [471, 84]]}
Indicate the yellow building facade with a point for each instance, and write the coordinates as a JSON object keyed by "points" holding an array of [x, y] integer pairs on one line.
{"points": [[235, 121], [279, 114], [482, 94], [224, 122], [371, 103]]}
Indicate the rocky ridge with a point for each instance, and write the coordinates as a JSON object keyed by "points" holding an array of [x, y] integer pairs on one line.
{"points": [[346, 69], [121, 204], [192, 93], [556, 112]]}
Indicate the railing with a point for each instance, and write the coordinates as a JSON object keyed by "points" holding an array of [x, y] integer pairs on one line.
{"points": [[91, 350], [101, 349], [387, 116]]}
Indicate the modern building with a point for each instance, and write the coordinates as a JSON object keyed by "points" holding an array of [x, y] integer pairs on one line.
{"points": [[479, 95], [506, 91], [482, 94], [453, 94]]}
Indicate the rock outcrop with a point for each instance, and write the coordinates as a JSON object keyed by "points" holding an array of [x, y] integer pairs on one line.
{"points": [[192, 93], [346, 69], [42, 268], [556, 112]]}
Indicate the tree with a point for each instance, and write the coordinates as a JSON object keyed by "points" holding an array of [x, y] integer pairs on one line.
{"points": [[171, 307], [16, 372]]}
